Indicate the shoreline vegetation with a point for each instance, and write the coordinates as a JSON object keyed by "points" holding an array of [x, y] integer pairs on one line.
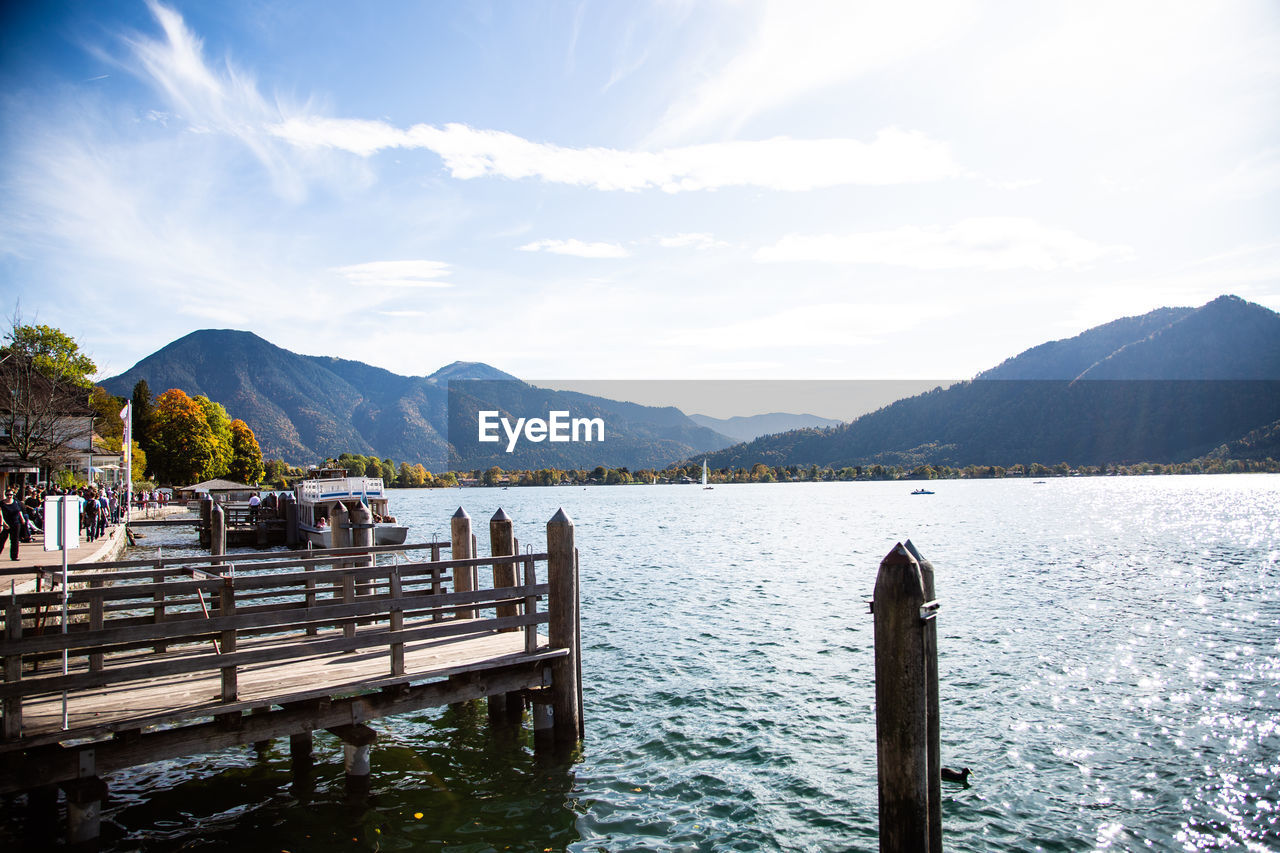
{"points": [[416, 476]]}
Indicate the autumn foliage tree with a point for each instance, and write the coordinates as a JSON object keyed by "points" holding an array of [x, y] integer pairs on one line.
{"points": [[246, 455], [183, 447]]}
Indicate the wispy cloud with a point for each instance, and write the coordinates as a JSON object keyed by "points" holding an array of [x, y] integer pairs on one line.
{"points": [[985, 243], [577, 248], [894, 156], [800, 46], [691, 240], [396, 274], [227, 101]]}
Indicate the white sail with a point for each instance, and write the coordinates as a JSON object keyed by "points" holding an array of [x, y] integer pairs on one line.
{"points": [[704, 473]]}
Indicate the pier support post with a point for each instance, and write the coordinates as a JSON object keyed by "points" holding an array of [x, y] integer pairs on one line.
{"points": [[217, 533], [505, 710], [544, 734], [562, 629], [84, 811], [464, 578], [933, 722], [357, 744], [206, 521], [288, 509], [300, 766], [362, 532], [901, 705]]}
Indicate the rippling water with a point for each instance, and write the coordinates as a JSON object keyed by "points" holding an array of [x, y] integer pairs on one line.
{"points": [[1109, 656]]}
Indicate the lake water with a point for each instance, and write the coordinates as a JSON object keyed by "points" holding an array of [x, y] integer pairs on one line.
{"points": [[1109, 658]]}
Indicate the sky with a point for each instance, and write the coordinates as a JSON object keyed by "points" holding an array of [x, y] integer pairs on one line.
{"points": [[719, 189]]}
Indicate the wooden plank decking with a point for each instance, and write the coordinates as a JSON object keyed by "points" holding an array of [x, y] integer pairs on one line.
{"points": [[175, 658]]}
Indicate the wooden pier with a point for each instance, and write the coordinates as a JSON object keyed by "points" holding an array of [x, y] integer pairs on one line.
{"points": [[163, 659]]}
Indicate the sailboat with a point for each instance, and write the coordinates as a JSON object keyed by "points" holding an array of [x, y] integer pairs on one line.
{"points": [[704, 475]]}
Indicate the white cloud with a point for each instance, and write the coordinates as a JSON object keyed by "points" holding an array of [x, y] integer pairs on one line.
{"points": [[691, 241], [895, 156], [576, 248], [1255, 177], [801, 46], [396, 274], [986, 243]]}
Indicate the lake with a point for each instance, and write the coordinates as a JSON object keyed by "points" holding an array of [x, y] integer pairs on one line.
{"points": [[1109, 652]]}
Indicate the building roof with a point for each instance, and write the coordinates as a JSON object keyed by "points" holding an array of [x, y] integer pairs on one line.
{"points": [[218, 486]]}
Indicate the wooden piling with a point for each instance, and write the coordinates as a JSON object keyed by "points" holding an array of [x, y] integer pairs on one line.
{"points": [[933, 722], [12, 671], [901, 705], [505, 710], [502, 543], [84, 811], [464, 578], [562, 628], [217, 532], [288, 509], [362, 531]]}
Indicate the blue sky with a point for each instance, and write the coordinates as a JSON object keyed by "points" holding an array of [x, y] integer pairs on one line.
{"points": [[605, 190]]}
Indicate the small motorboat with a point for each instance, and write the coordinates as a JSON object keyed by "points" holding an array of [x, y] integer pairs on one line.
{"points": [[922, 492]]}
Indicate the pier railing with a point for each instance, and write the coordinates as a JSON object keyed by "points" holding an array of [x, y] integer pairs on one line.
{"points": [[180, 620]]}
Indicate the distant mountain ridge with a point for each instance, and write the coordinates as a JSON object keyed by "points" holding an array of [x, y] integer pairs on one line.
{"points": [[1170, 385], [307, 408], [747, 427]]}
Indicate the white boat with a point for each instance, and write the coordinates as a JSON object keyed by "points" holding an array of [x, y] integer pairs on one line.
{"points": [[319, 497], [704, 475]]}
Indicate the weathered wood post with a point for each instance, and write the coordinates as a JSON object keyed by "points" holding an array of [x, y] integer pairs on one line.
{"points": [[464, 577], [226, 608], [12, 670], [901, 705], [206, 521], [362, 531], [506, 709], [340, 524], [357, 744], [933, 722], [562, 628], [84, 811], [217, 533], [289, 512]]}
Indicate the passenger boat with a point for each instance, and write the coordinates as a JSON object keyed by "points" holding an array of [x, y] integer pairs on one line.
{"points": [[319, 495]]}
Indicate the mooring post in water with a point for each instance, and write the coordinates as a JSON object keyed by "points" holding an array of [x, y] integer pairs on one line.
{"points": [[562, 628], [288, 509], [84, 811], [933, 721], [902, 743], [357, 744], [505, 709], [464, 577], [206, 521], [217, 533], [362, 534]]}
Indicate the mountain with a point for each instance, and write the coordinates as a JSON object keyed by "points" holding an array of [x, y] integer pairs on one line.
{"points": [[307, 408], [747, 427], [1168, 386]]}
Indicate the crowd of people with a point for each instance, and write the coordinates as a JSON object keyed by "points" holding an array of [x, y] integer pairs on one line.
{"points": [[22, 510]]}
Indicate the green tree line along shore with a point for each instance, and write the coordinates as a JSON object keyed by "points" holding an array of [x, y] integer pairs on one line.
{"points": [[179, 440]]}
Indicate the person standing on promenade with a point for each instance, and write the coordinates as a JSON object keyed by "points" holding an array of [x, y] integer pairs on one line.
{"points": [[11, 516]]}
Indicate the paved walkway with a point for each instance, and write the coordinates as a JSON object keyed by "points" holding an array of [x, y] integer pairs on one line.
{"points": [[34, 562]]}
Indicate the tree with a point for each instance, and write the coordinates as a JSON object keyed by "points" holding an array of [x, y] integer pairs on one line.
{"points": [[53, 352], [44, 413], [246, 456], [108, 422], [183, 446], [220, 426], [143, 413]]}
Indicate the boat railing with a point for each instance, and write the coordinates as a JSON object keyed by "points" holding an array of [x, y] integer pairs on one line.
{"points": [[341, 487]]}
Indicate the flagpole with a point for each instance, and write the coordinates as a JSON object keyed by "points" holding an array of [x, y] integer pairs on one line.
{"points": [[127, 414]]}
